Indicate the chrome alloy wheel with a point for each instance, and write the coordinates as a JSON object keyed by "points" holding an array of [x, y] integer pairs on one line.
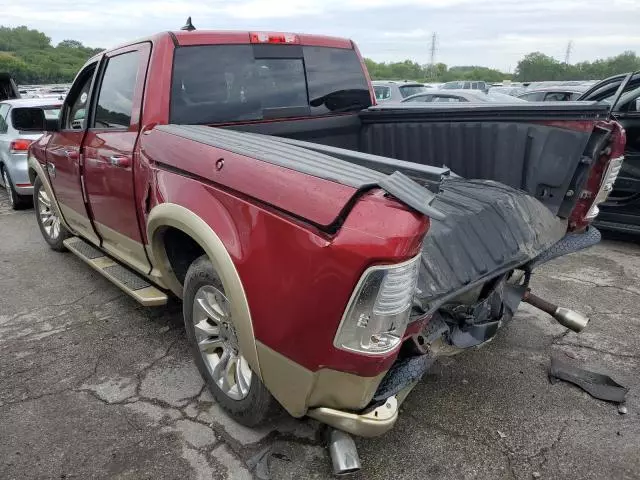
{"points": [[7, 185], [48, 217], [218, 343]]}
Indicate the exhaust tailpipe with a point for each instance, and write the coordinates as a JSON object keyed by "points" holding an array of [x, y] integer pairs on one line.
{"points": [[343, 451], [571, 319]]}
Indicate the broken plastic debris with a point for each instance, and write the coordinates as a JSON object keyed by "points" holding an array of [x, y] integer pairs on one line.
{"points": [[622, 410], [595, 384]]}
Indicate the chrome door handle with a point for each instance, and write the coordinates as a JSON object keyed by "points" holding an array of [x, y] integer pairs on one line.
{"points": [[73, 154], [119, 161]]}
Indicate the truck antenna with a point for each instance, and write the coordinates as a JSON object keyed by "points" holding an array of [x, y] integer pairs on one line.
{"points": [[188, 26]]}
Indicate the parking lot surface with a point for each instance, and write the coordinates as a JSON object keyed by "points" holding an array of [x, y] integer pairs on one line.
{"points": [[94, 386]]}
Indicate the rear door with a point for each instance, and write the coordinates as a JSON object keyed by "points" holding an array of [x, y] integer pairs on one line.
{"points": [[64, 159], [109, 153]]}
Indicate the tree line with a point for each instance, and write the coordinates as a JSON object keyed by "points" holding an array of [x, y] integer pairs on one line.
{"points": [[533, 67], [29, 57]]}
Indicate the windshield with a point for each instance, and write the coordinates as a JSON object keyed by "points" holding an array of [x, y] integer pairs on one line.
{"points": [[229, 83], [408, 90], [503, 97]]}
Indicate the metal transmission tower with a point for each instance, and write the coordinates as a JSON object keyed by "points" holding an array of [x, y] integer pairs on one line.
{"points": [[432, 58], [567, 55]]}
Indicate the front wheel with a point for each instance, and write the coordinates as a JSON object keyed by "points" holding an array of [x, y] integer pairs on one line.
{"points": [[214, 343], [48, 221]]}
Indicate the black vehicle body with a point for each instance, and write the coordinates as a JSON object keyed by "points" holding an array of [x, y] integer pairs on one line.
{"points": [[621, 211], [8, 88]]}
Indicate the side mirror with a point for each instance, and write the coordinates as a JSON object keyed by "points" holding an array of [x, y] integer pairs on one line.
{"points": [[29, 119], [52, 124]]}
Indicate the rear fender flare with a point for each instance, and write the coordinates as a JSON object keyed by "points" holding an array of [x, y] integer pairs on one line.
{"points": [[172, 215]]}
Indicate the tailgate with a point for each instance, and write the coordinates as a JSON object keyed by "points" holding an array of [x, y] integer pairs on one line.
{"points": [[488, 228]]}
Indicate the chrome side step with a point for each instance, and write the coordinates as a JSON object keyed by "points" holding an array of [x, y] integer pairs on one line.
{"points": [[127, 280]]}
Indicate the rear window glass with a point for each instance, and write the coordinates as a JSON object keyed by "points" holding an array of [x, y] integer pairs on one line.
{"points": [[382, 93], [408, 90], [226, 83]]}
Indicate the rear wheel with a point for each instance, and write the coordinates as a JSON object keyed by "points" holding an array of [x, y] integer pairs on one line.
{"points": [[214, 343], [48, 220], [16, 200]]}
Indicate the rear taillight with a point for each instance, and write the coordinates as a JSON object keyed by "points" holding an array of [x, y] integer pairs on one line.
{"points": [[602, 176], [20, 145], [264, 37], [606, 185], [378, 313]]}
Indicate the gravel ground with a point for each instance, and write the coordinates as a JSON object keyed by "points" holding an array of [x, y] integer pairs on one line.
{"points": [[94, 386]]}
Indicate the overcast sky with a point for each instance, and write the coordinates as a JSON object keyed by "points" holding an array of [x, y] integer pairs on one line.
{"points": [[495, 33]]}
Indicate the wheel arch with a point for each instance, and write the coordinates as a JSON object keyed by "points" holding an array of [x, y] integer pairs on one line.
{"points": [[172, 216]]}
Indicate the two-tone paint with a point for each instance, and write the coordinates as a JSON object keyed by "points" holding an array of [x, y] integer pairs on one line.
{"points": [[287, 277]]}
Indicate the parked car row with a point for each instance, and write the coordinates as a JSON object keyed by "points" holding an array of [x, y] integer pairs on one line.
{"points": [[20, 126]]}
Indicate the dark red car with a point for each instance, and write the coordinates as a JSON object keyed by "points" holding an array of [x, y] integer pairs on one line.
{"points": [[324, 249]]}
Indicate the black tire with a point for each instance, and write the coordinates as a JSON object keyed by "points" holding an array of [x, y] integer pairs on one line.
{"points": [[55, 242], [259, 405], [17, 201]]}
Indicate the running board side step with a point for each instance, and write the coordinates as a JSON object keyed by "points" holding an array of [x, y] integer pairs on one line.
{"points": [[127, 280]]}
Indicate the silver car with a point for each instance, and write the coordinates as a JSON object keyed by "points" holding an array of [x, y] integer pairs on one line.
{"points": [[20, 125], [396, 91]]}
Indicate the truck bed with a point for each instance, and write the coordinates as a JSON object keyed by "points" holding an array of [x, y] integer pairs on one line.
{"points": [[479, 228], [534, 149]]}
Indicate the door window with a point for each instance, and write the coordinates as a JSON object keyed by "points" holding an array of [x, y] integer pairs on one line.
{"points": [[115, 98], [78, 101]]}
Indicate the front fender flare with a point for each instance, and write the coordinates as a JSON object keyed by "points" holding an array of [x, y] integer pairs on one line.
{"points": [[172, 215], [36, 168]]}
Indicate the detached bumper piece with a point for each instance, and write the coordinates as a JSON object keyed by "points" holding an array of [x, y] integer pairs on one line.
{"points": [[595, 384]]}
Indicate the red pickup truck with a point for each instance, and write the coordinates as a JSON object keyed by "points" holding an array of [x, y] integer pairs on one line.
{"points": [[326, 250]]}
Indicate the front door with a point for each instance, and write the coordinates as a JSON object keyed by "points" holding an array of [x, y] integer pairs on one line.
{"points": [[109, 154], [64, 161]]}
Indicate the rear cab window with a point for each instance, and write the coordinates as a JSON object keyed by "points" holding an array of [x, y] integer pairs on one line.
{"points": [[231, 83]]}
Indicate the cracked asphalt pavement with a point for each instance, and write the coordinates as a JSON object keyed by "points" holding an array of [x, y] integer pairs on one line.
{"points": [[94, 386]]}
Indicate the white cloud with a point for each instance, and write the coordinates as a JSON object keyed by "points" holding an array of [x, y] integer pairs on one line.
{"points": [[488, 32]]}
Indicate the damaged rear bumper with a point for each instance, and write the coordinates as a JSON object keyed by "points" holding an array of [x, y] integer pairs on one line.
{"points": [[372, 422]]}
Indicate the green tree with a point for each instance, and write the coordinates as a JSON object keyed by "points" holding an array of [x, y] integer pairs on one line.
{"points": [[30, 58], [70, 44], [537, 66]]}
